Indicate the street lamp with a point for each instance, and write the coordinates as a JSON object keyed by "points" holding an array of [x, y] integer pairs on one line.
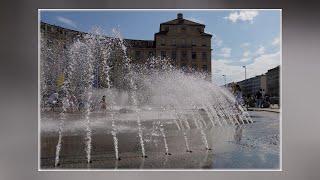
{"points": [[245, 72], [225, 80]]}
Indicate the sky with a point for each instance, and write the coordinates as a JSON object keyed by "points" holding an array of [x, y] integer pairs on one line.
{"points": [[250, 38]]}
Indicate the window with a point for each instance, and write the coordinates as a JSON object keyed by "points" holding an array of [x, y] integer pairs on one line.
{"points": [[204, 42], [164, 28], [174, 55], [173, 29], [204, 56], [137, 54], [183, 29], [183, 42], [183, 54], [173, 42], [193, 42], [163, 54], [194, 55], [163, 42], [204, 68]]}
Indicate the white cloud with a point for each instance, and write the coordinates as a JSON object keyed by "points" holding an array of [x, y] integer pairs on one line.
{"points": [[225, 61], [276, 41], [242, 15], [216, 41], [260, 50], [246, 53], [260, 65], [264, 62], [244, 59], [225, 52], [244, 45], [219, 68], [66, 21]]}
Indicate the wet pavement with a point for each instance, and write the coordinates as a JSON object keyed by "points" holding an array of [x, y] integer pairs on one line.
{"points": [[249, 146]]}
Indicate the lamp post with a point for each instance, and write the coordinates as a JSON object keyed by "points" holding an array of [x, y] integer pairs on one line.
{"points": [[225, 80], [245, 72]]}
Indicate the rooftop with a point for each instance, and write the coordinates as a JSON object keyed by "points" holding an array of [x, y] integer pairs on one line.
{"points": [[180, 20]]}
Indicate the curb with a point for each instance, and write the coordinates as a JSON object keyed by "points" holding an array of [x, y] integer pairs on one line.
{"points": [[267, 110]]}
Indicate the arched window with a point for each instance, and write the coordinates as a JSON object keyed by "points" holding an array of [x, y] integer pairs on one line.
{"points": [[183, 42]]}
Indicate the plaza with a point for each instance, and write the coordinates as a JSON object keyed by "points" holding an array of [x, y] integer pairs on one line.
{"points": [[108, 102], [252, 146]]}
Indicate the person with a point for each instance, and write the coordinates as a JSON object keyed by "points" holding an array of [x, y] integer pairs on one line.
{"points": [[53, 100], [266, 101], [263, 94], [81, 104], [73, 103], [247, 100], [259, 98], [65, 104], [252, 101], [103, 103], [238, 94]]}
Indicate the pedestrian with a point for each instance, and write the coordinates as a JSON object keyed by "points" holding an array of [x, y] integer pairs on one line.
{"points": [[259, 98], [81, 104], [53, 100], [238, 95], [65, 104], [103, 104], [263, 93], [73, 103]]}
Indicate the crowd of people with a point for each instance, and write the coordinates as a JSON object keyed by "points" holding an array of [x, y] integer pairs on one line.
{"points": [[71, 103], [259, 100]]}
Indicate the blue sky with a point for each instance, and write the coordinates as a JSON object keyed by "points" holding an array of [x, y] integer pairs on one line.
{"points": [[240, 37]]}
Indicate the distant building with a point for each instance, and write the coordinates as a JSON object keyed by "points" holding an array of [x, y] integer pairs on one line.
{"points": [[184, 42], [270, 82], [273, 82], [252, 85]]}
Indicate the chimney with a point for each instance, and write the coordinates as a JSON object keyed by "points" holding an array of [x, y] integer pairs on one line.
{"points": [[180, 16]]}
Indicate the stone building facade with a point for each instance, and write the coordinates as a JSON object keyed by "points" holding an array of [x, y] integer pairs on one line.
{"points": [[184, 42], [270, 82], [273, 82], [252, 85]]}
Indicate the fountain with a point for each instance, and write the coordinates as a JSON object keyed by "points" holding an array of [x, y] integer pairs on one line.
{"points": [[96, 65]]}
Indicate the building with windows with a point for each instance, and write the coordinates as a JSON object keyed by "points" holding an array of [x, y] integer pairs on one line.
{"points": [[184, 42], [252, 85], [270, 82], [273, 82]]}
